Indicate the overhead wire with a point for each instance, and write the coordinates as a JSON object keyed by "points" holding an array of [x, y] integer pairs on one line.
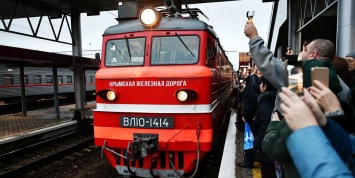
{"points": [[209, 15]]}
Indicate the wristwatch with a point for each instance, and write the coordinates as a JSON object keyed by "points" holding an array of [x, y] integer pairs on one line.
{"points": [[338, 112]]}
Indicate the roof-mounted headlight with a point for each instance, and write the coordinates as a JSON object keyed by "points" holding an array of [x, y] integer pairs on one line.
{"points": [[149, 17], [185, 95], [109, 95]]}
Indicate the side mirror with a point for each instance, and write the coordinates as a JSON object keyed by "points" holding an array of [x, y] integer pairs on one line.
{"points": [[97, 58]]}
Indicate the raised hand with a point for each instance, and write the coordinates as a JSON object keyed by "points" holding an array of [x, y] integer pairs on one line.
{"points": [[296, 112], [314, 106], [250, 30], [327, 100]]}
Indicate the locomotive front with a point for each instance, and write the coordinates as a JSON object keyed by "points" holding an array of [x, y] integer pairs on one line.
{"points": [[158, 97]]}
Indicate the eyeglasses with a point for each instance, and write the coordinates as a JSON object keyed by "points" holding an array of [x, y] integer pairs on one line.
{"points": [[306, 42]]}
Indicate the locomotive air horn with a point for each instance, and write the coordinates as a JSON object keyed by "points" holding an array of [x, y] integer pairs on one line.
{"points": [[169, 4]]}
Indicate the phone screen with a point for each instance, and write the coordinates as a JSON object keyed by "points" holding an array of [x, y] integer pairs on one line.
{"points": [[293, 74]]}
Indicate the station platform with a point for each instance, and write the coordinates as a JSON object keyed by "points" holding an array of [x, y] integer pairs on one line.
{"points": [[233, 153], [17, 125]]}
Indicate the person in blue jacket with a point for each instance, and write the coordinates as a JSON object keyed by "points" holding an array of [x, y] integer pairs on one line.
{"points": [[312, 151]]}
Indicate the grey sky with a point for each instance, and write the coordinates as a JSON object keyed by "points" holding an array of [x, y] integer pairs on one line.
{"points": [[227, 18]]}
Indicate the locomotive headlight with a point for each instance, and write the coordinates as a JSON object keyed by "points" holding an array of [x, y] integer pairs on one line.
{"points": [[182, 96], [111, 95], [185, 95], [149, 16]]}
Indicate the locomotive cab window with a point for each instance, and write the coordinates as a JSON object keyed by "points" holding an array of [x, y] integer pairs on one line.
{"points": [[175, 50], [211, 51], [125, 52]]}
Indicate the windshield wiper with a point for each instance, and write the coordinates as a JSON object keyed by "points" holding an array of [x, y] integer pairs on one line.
{"points": [[184, 44], [129, 49], [120, 53]]}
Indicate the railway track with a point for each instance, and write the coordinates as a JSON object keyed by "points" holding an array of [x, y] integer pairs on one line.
{"points": [[41, 104], [23, 160]]}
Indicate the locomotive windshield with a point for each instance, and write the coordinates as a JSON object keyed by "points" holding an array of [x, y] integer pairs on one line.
{"points": [[125, 52], [175, 50]]}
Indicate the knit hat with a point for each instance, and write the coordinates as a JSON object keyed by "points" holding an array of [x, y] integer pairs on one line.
{"points": [[307, 65], [352, 54]]}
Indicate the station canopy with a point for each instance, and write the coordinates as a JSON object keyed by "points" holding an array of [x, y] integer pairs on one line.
{"points": [[13, 9], [56, 8]]}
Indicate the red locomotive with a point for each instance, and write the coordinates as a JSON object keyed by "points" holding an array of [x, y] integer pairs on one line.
{"points": [[162, 87]]}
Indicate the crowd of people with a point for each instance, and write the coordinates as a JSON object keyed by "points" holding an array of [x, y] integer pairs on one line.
{"points": [[308, 135]]}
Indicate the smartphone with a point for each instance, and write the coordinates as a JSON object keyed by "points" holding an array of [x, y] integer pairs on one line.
{"points": [[321, 74], [293, 75]]}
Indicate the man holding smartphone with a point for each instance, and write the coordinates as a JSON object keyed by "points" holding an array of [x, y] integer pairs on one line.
{"points": [[324, 50]]}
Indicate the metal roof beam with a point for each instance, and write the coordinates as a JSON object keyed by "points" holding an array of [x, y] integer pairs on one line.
{"points": [[85, 6], [312, 13], [41, 6]]}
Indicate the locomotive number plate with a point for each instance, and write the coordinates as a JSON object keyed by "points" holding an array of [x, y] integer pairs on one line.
{"points": [[146, 122]]}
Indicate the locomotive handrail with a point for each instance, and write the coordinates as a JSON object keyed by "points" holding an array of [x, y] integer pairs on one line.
{"points": [[112, 151]]}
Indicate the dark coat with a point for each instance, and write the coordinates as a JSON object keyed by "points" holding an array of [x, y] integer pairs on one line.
{"points": [[347, 122], [250, 96], [352, 88], [261, 122]]}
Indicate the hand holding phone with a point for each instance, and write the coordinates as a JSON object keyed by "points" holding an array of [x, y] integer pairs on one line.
{"points": [[321, 74]]}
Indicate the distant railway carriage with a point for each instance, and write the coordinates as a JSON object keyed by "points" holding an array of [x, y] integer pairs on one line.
{"points": [[161, 93], [39, 83]]}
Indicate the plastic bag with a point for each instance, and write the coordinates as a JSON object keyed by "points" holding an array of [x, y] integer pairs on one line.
{"points": [[248, 137]]}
